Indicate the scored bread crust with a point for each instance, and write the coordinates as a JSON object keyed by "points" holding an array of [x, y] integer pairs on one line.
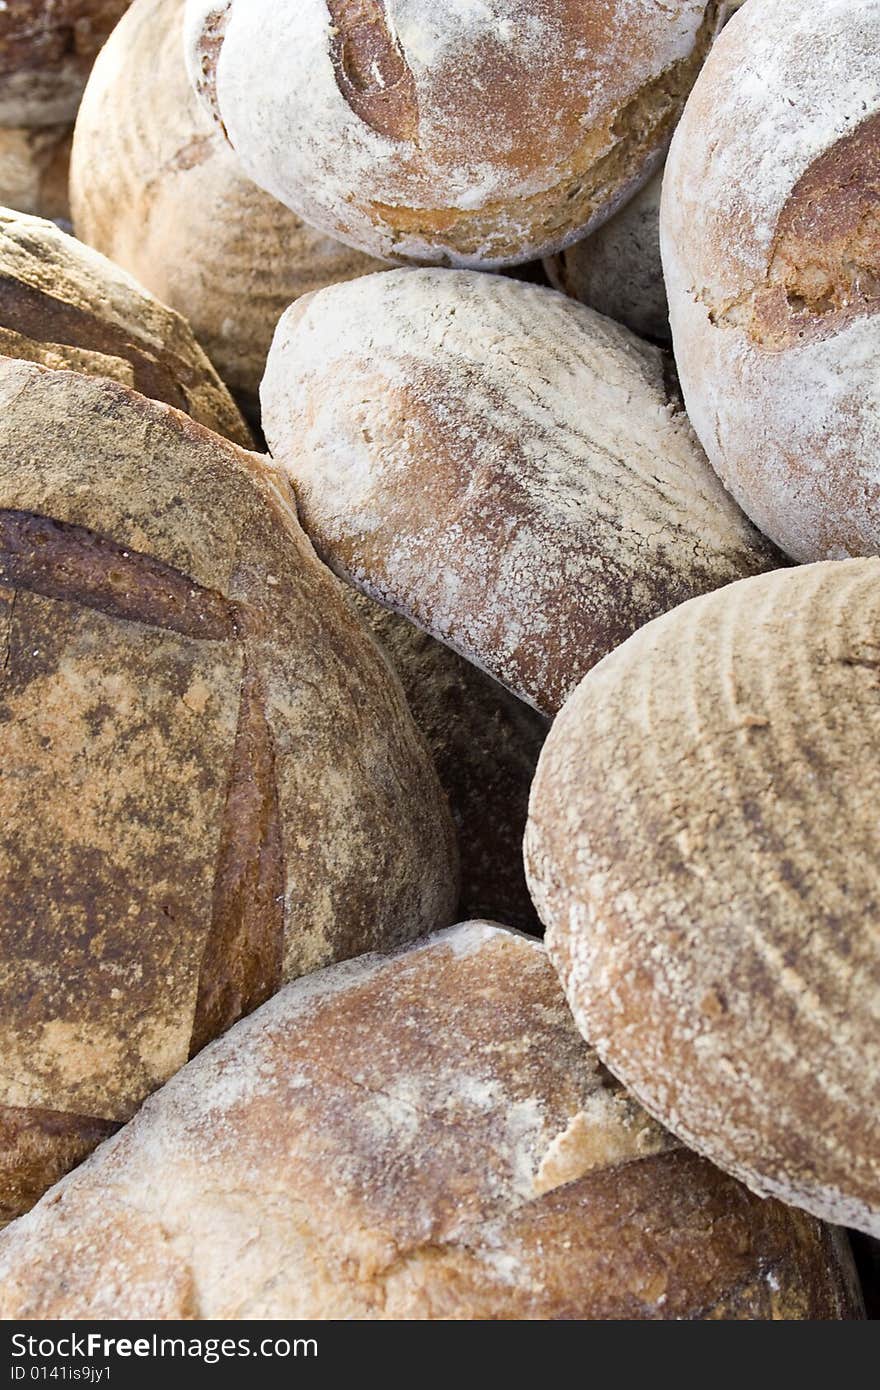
{"points": [[63, 305], [211, 782], [771, 247], [703, 847], [527, 441], [416, 1136], [465, 135], [46, 50], [155, 187]]}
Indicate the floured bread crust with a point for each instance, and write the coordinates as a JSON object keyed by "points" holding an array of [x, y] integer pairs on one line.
{"points": [[703, 846], [526, 441], [771, 248], [465, 135], [62, 305], [155, 187], [211, 783], [421, 1136], [34, 170], [46, 50]]}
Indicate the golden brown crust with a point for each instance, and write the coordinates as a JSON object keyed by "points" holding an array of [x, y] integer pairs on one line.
{"points": [[370, 69], [210, 779], [46, 50], [63, 305], [421, 1103]]}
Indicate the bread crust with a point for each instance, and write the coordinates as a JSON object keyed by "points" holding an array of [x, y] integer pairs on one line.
{"points": [[771, 247], [527, 440], [34, 170], [711, 906], [61, 305], [46, 50], [155, 187], [420, 1136], [211, 782], [470, 136]]}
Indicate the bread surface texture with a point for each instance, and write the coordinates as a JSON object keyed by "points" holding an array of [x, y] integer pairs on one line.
{"points": [[502, 465], [416, 1136], [210, 779], [155, 186], [63, 305], [46, 50], [771, 246], [703, 848], [449, 134]]}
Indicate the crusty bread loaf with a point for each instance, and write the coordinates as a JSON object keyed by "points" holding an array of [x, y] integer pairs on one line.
{"points": [[485, 744], [420, 1136], [617, 270], [33, 170], [704, 848], [771, 246], [155, 187], [465, 135], [210, 780], [499, 463], [63, 305], [46, 50]]}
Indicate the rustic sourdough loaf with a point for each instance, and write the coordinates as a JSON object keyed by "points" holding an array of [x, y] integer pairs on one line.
{"points": [[33, 170], [467, 135], [485, 745], [704, 848], [46, 50], [155, 187], [499, 463], [771, 247], [210, 780], [420, 1136], [63, 305]]}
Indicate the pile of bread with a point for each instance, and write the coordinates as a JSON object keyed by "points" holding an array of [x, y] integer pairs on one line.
{"points": [[357, 525]]}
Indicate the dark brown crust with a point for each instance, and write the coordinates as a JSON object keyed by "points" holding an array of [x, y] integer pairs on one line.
{"points": [[210, 45], [370, 69], [73, 563], [39, 1146], [45, 34], [244, 951]]}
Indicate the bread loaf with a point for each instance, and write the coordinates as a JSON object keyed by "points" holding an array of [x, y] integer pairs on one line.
{"points": [[771, 246], [617, 270], [464, 135], [65, 306], [704, 848], [33, 170], [210, 780], [155, 187], [485, 745], [500, 464], [421, 1136], [46, 50]]}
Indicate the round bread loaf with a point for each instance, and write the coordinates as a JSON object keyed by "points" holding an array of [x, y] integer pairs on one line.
{"points": [[420, 1136], [485, 745], [33, 170], [155, 187], [704, 848], [771, 247], [525, 440], [46, 50], [465, 135], [210, 779], [617, 270], [65, 306]]}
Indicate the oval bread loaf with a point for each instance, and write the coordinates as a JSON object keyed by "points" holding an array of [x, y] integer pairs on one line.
{"points": [[63, 305], [210, 779], [771, 247], [155, 187], [34, 170], [704, 848], [465, 135], [500, 464], [420, 1136], [46, 50]]}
